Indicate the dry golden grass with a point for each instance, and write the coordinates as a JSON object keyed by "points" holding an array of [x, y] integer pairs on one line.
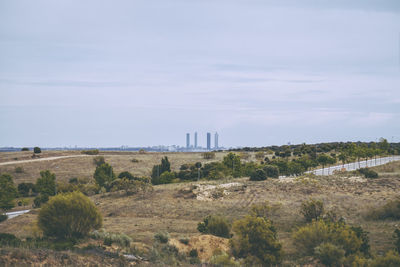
{"points": [[167, 209]]}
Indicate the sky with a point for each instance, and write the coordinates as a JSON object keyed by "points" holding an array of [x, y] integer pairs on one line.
{"points": [[143, 73]]}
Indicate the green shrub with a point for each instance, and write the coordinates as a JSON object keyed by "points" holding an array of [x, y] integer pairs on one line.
{"points": [[391, 210], [26, 189], [167, 177], [3, 217], [40, 199], [162, 237], [24, 149], [71, 215], [9, 240], [312, 209], [308, 237], [258, 175], [368, 173], [184, 240], [397, 240], [37, 150], [8, 192], [221, 258], [19, 169], [90, 152], [215, 225], [193, 253], [46, 184], [271, 171], [73, 180], [98, 160], [208, 155], [104, 175], [110, 238], [255, 239], [329, 254], [391, 259]]}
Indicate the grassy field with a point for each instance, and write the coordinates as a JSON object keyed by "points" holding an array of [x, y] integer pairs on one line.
{"points": [[172, 208]]}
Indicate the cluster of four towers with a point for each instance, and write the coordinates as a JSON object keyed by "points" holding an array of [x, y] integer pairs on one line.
{"points": [[195, 146]]}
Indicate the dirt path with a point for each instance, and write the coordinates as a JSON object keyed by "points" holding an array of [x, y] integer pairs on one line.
{"points": [[41, 159]]}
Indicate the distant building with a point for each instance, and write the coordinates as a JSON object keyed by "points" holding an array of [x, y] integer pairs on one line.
{"points": [[188, 140], [195, 140], [216, 140], [208, 141]]}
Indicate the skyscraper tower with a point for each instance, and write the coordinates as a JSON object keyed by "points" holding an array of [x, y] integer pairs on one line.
{"points": [[216, 140], [195, 139], [188, 140], [208, 141]]}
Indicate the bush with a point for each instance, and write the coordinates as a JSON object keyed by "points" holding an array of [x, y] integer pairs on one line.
{"points": [[73, 180], [71, 215], [397, 240], [8, 192], [258, 175], [165, 178], [221, 258], [46, 184], [271, 171], [391, 210], [368, 173], [104, 175], [391, 259], [308, 237], [110, 238], [134, 160], [9, 240], [19, 169], [3, 217], [215, 225], [40, 199], [26, 189], [329, 254], [312, 209], [37, 150], [193, 253], [162, 237], [255, 238], [98, 160], [208, 155], [90, 152], [24, 149]]}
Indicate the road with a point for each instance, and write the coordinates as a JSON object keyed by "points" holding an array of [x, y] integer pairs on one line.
{"points": [[355, 165], [16, 213], [41, 159]]}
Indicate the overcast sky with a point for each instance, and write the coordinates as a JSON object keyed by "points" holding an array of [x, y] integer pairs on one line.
{"points": [[138, 73]]}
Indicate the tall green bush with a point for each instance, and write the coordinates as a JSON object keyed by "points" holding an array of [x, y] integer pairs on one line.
{"points": [[8, 192], [104, 175], [71, 215], [215, 225], [255, 239]]}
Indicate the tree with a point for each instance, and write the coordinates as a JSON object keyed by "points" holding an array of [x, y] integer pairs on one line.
{"points": [[37, 150], [26, 189], [323, 160], [232, 161], [167, 177], [71, 215], [343, 158], [215, 225], [255, 237], [158, 170], [104, 175], [258, 175], [8, 192], [312, 209], [46, 184]]}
